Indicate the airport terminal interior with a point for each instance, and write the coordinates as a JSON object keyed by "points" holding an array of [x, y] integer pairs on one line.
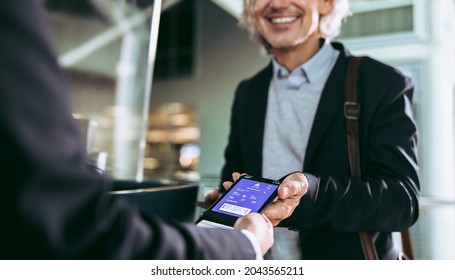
{"points": [[152, 87]]}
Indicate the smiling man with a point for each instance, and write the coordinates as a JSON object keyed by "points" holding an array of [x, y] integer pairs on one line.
{"points": [[287, 121]]}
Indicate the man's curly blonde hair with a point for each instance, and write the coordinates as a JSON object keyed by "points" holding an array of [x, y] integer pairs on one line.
{"points": [[329, 25]]}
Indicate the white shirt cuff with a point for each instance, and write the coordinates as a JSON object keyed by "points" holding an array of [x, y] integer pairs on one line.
{"points": [[254, 242]]}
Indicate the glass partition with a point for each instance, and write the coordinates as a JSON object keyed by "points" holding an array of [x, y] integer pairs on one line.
{"points": [[107, 48]]}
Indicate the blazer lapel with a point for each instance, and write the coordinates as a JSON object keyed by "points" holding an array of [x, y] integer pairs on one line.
{"points": [[330, 104], [259, 91]]}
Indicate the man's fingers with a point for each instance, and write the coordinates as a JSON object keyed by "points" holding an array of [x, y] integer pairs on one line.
{"points": [[278, 211], [236, 176], [283, 192], [210, 197], [291, 188], [227, 184]]}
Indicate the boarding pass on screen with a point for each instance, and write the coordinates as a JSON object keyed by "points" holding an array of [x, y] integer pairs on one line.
{"points": [[235, 209]]}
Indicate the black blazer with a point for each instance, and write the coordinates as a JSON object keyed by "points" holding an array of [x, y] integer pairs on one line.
{"points": [[52, 205], [337, 206]]}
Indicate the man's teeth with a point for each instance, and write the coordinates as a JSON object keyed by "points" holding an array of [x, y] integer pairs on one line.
{"points": [[283, 20]]}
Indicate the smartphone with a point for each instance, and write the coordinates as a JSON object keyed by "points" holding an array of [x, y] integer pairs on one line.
{"points": [[246, 195]]}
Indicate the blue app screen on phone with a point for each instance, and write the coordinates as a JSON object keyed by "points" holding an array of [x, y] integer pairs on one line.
{"points": [[246, 196]]}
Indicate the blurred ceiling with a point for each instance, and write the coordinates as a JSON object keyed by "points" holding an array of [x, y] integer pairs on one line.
{"points": [[82, 8]]}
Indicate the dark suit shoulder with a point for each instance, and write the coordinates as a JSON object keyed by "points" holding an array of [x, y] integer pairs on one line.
{"points": [[381, 72], [371, 69], [383, 83]]}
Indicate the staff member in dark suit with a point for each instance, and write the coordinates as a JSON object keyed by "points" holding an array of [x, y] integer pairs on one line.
{"points": [[289, 117], [52, 205]]}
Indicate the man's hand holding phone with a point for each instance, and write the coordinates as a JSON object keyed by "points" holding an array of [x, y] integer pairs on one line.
{"points": [[290, 191], [246, 195], [239, 208], [288, 195]]}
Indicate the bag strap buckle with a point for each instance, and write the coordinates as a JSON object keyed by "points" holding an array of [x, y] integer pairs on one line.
{"points": [[351, 110]]}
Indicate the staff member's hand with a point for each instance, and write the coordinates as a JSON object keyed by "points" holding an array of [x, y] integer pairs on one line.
{"points": [[260, 227], [290, 192]]}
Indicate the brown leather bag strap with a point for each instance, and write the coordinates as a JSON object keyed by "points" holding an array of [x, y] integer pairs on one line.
{"points": [[369, 251], [352, 114], [406, 243]]}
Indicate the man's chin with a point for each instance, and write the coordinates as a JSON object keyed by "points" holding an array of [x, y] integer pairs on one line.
{"points": [[285, 46]]}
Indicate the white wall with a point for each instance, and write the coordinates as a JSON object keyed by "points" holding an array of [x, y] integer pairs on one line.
{"points": [[441, 124]]}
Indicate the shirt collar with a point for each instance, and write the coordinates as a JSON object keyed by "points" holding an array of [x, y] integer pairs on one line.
{"points": [[311, 70]]}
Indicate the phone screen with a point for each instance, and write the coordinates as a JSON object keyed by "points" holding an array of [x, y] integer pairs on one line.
{"points": [[246, 196]]}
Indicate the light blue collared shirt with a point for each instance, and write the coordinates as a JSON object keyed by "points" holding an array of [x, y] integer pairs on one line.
{"points": [[314, 71], [292, 103]]}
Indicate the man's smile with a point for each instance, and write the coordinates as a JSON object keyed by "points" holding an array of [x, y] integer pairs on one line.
{"points": [[283, 20]]}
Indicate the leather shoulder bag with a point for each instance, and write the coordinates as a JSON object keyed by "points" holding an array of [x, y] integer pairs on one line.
{"points": [[352, 115]]}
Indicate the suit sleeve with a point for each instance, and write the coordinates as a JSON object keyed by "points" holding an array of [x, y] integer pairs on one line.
{"points": [[52, 204]]}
